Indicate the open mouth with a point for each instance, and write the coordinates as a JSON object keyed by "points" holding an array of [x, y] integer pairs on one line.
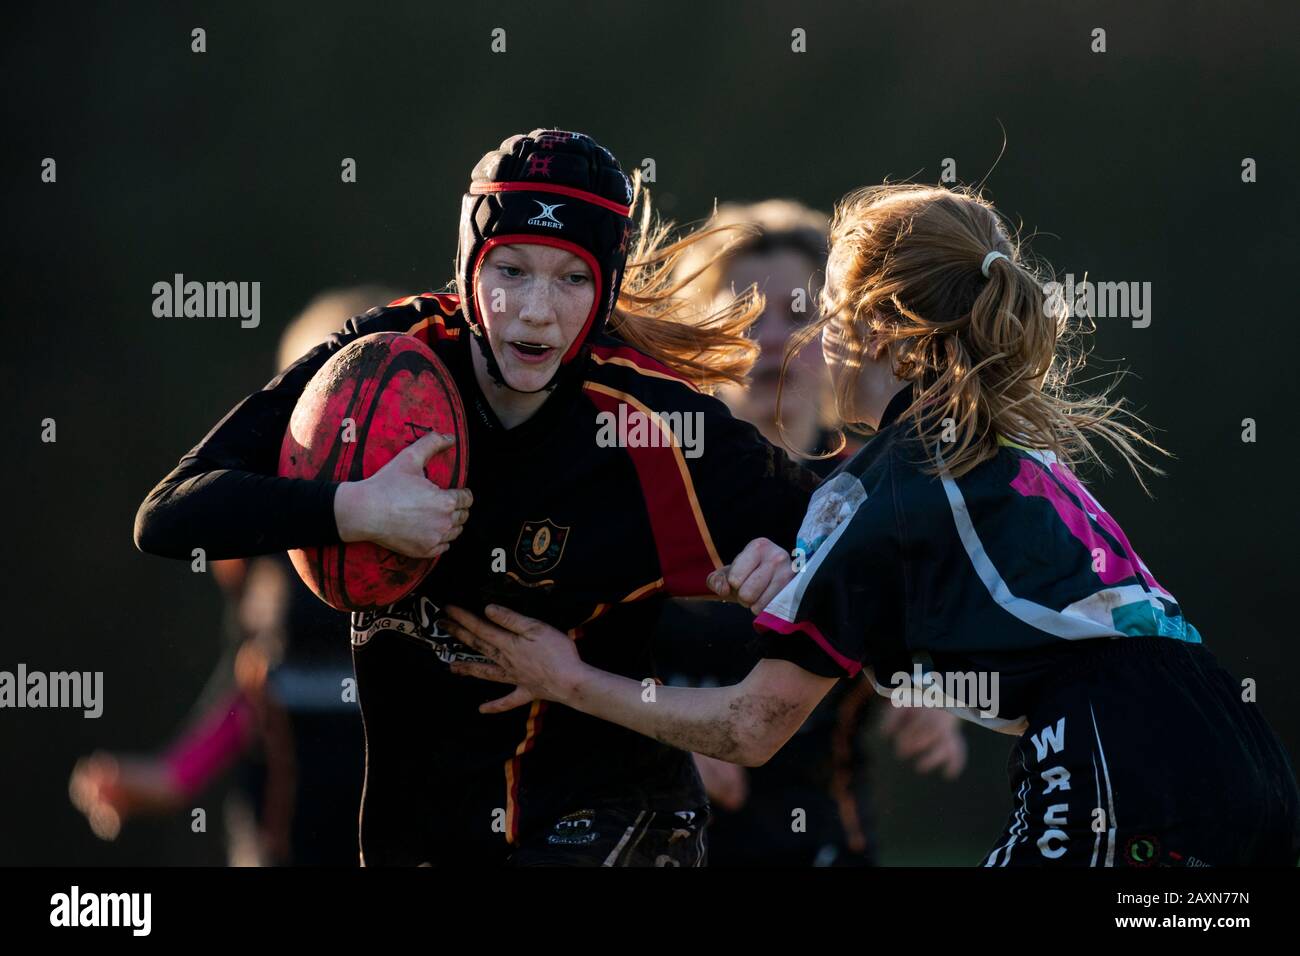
{"points": [[531, 352]]}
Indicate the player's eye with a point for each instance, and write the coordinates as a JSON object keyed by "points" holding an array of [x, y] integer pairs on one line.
{"points": [[577, 278], [510, 272]]}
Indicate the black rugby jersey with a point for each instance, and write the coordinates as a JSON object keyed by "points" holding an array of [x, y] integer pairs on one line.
{"points": [[1002, 573], [582, 533]]}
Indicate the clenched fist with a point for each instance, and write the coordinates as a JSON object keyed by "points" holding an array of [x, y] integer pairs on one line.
{"points": [[758, 574]]}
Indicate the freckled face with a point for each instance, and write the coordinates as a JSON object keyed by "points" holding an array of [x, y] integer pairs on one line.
{"points": [[534, 301]]}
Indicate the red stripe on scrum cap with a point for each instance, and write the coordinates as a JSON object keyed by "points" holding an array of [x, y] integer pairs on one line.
{"points": [[528, 239], [479, 189]]}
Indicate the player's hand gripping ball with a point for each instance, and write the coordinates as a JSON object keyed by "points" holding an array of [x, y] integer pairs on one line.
{"points": [[364, 408]]}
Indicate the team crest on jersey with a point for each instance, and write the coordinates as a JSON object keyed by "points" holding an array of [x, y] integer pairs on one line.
{"points": [[540, 545]]}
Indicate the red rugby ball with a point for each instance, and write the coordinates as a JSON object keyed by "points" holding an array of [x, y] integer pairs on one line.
{"points": [[374, 397]]}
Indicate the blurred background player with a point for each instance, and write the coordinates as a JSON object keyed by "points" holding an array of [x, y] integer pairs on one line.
{"points": [[823, 770], [276, 708]]}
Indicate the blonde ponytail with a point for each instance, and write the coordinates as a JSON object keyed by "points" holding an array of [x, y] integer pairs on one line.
{"points": [[988, 357]]}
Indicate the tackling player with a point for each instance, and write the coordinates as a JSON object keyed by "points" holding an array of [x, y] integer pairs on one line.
{"points": [[958, 543], [824, 770]]}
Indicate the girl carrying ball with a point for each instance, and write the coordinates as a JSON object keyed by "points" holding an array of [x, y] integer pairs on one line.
{"points": [[566, 313]]}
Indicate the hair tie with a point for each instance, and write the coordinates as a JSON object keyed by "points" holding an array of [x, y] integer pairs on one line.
{"points": [[990, 259]]}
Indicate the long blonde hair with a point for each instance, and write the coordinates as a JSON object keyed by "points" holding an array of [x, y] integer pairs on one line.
{"points": [[987, 357], [657, 315]]}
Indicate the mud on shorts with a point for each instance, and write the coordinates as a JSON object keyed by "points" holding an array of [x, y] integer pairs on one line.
{"points": [[617, 837], [1141, 752]]}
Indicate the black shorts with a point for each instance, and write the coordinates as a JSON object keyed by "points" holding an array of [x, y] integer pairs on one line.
{"points": [[1142, 752], [616, 837]]}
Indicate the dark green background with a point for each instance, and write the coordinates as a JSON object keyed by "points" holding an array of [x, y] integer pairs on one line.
{"points": [[226, 166]]}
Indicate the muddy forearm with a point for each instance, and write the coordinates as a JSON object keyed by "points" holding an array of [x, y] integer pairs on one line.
{"points": [[722, 722]]}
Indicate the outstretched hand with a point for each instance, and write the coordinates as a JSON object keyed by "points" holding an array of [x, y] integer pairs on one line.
{"points": [[109, 789], [541, 661]]}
